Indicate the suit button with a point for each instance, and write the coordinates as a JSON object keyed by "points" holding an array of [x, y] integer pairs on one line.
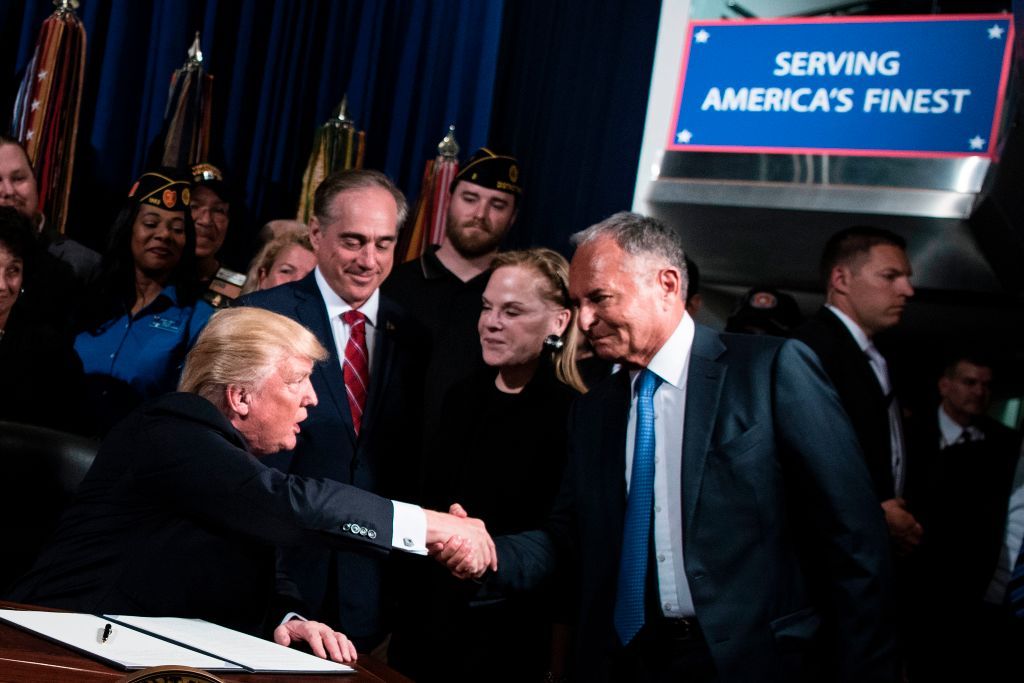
{"points": [[371, 533], [346, 526], [363, 531]]}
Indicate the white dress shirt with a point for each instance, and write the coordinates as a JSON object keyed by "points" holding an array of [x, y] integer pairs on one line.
{"points": [[671, 364], [881, 370], [409, 532], [950, 432]]}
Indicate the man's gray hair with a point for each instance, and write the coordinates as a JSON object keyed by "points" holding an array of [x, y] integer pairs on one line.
{"points": [[638, 235]]}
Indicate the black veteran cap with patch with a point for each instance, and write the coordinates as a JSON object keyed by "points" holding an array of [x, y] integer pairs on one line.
{"points": [[767, 310], [166, 189], [488, 169], [208, 175]]}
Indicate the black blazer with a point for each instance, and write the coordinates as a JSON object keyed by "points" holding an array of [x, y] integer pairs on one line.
{"points": [[859, 391], [177, 518], [348, 589], [785, 546], [959, 495]]}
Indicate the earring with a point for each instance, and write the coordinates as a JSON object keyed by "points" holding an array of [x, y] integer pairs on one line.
{"points": [[553, 342]]}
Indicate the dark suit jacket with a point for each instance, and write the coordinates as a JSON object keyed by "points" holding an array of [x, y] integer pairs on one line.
{"points": [[176, 518], [859, 391], [782, 534], [347, 589], [959, 495]]}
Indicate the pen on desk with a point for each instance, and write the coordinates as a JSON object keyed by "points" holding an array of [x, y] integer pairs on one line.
{"points": [[106, 633]]}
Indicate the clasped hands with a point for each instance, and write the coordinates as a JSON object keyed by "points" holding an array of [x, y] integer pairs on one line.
{"points": [[461, 543]]}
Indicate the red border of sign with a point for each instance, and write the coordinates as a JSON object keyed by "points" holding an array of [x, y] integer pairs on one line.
{"points": [[996, 119]]}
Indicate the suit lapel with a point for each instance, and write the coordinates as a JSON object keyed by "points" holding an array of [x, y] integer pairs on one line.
{"points": [[383, 353], [853, 350], [311, 311], [611, 459], [703, 391]]}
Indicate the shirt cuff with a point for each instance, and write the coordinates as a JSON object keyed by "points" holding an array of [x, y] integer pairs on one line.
{"points": [[409, 532], [292, 615]]}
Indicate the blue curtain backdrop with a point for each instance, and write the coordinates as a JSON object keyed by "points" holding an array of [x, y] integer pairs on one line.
{"points": [[561, 84], [280, 67], [571, 100]]}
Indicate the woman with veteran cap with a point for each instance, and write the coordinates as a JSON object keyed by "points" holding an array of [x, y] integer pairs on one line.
{"points": [[178, 517], [504, 444], [143, 312]]}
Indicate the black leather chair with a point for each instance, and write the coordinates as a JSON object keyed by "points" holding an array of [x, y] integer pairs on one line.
{"points": [[41, 470]]}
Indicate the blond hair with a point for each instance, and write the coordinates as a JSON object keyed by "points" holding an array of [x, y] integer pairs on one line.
{"points": [[265, 257], [242, 347], [553, 287]]}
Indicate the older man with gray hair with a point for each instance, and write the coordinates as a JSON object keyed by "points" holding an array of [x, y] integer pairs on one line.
{"points": [[178, 517], [715, 507]]}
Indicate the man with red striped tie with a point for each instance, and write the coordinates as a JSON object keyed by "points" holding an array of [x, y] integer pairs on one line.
{"points": [[366, 428]]}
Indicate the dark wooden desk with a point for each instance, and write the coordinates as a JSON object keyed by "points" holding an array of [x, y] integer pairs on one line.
{"points": [[27, 657]]}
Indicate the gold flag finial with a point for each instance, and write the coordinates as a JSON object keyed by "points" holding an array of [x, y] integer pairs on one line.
{"points": [[448, 147], [65, 5], [340, 119], [195, 53]]}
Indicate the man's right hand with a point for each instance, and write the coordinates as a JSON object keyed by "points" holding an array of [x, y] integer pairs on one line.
{"points": [[460, 543], [903, 528]]}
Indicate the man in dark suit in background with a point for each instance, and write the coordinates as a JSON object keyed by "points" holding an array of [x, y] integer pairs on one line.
{"points": [[962, 470], [867, 283], [715, 514], [366, 428]]}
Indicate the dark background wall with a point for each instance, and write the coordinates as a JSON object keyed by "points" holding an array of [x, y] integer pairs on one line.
{"points": [[562, 84]]}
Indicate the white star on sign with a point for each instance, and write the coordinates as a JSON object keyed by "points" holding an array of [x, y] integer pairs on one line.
{"points": [[42, 75], [995, 32], [702, 36], [684, 136], [977, 142], [28, 135], [35, 105]]}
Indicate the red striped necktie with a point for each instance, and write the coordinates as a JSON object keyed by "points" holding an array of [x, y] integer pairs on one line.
{"points": [[356, 365]]}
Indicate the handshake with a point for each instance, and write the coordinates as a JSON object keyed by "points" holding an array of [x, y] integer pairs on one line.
{"points": [[460, 543]]}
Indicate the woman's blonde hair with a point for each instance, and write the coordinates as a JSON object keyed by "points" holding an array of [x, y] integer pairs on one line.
{"points": [[265, 257], [242, 347], [553, 286]]}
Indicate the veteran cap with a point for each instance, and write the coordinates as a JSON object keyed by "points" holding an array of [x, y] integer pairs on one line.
{"points": [[767, 310], [488, 169], [167, 189], [208, 175]]}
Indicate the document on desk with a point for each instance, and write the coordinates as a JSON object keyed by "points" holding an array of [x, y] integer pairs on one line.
{"points": [[255, 654], [120, 647], [130, 643]]}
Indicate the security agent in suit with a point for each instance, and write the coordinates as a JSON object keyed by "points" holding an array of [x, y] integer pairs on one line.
{"points": [[962, 467], [766, 553], [374, 446], [178, 517], [867, 279]]}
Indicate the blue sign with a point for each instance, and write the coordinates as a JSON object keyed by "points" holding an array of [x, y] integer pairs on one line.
{"points": [[881, 86]]}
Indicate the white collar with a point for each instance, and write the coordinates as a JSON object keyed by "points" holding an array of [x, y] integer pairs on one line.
{"points": [[859, 335], [336, 305], [672, 359], [951, 430]]}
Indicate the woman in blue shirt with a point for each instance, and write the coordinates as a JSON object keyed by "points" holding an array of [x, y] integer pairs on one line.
{"points": [[143, 313]]}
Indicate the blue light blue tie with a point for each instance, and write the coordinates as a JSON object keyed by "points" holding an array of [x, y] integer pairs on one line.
{"points": [[629, 601]]}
